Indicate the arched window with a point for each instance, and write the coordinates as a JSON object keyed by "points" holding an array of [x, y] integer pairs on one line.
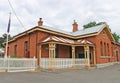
{"points": [[117, 55], [15, 50], [104, 49], [26, 49], [101, 47], [108, 49], [112, 50]]}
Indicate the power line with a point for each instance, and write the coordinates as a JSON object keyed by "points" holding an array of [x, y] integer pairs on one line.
{"points": [[16, 14]]}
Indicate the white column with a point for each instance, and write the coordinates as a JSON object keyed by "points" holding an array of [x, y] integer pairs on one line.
{"points": [[73, 56], [94, 56], [85, 55], [39, 57], [52, 56], [88, 56]]}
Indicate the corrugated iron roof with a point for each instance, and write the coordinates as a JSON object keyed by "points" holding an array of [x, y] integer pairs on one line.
{"points": [[55, 29], [88, 30], [77, 33]]}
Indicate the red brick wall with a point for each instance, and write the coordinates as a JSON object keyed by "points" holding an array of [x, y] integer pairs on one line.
{"points": [[45, 51], [115, 56], [33, 44], [11, 49], [104, 39], [20, 46], [64, 51], [41, 37], [33, 39]]}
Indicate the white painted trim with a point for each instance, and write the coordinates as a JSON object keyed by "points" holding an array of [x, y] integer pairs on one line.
{"points": [[105, 56]]}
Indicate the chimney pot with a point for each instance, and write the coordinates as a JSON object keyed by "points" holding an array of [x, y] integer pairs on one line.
{"points": [[40, 19], [40, 22]]}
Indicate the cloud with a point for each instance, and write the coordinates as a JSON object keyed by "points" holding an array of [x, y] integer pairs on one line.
{"points": [[59, 13]]}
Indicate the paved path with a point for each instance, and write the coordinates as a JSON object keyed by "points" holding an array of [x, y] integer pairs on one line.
{"points": [[109, 74]]}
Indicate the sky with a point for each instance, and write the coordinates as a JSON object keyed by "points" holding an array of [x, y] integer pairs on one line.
{"points": [[58, 14]]}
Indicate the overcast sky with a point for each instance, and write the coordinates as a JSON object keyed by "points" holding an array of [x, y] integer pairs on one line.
{"points": [[59, 13]]}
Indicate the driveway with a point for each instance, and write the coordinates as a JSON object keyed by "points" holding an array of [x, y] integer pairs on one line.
{"points": [[109, 74]]}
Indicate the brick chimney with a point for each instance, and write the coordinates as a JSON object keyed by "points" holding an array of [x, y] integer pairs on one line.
{"points": [[40, 22], [75, 26]]}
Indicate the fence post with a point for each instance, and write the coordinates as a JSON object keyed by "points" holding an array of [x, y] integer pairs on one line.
{"points": [[8, 64], [34, 62], [5, 64]]}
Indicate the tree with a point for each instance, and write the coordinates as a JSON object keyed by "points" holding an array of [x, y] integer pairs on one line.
{"points": [[92, 24], [116, 37], [3, 39]]}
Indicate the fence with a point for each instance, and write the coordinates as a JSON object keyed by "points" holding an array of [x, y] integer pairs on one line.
{"points": [[60, 63], [18, 64]]}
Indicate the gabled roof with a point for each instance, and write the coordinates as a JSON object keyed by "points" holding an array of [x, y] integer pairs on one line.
{"points": [[83, 32], [66, 40], [58, 39], [74, 35]]}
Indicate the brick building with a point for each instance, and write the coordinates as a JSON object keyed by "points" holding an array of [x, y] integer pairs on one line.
{"points": [[95, 44]]}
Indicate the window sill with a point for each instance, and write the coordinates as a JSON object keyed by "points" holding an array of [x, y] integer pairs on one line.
{"points": [[105, 56]]}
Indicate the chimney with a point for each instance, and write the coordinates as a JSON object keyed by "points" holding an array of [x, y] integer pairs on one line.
{"points": [[40, 22], [75, 26]]}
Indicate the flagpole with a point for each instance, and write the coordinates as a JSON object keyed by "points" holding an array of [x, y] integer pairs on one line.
{"points": [[6, 51]]}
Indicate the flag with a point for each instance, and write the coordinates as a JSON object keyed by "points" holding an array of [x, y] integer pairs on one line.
{"points": [[8, 29]]}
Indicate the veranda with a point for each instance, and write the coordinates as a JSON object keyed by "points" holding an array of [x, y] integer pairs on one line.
{"points": [[57, 52]]}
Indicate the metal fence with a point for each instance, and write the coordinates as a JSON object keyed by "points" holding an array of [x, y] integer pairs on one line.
{"points": [[60, 63], [18, 64]]}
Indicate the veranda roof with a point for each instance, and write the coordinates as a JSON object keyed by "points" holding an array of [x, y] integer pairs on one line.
{"points": [[66, 40]]}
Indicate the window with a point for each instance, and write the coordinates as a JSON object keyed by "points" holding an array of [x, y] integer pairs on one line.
{"points": [[26, 49], [117, 55], [108, 49], [101, 47], [112, 51], [15, 50], [26, 45], [104, 49]]}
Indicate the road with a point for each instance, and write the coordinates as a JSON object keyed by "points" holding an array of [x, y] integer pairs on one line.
{"points": [[109, 74]]}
